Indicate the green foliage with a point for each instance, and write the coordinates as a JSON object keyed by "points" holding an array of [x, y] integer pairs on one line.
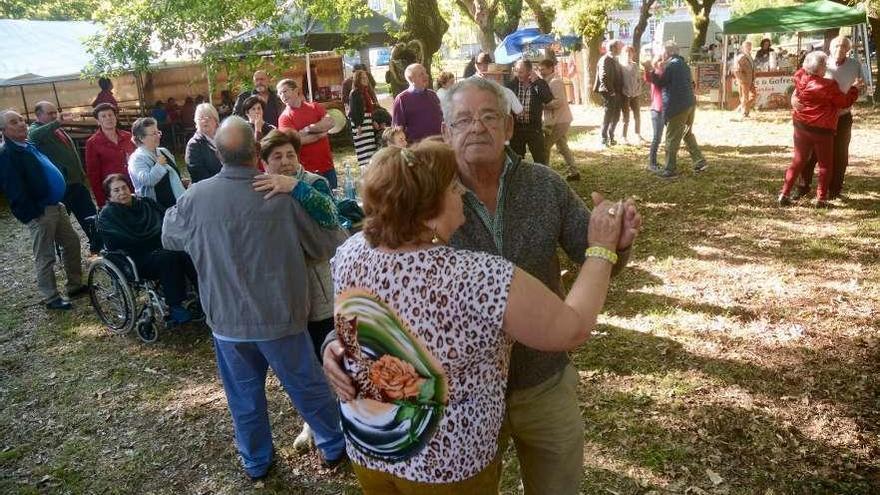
{"points": [[590, 19], [49, 10], [740, 7], [137, 31]]}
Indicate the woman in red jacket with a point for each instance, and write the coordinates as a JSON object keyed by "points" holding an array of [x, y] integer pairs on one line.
{"points": [[815, 120], [107, 151]]}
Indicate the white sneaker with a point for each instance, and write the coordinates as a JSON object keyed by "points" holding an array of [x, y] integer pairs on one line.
{"points": [[304, 441]]}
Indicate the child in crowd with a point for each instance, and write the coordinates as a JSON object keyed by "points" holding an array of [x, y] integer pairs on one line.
{"points": [[394, 136]]}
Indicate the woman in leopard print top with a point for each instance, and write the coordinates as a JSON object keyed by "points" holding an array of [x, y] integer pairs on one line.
{"points": [[425, 330]]}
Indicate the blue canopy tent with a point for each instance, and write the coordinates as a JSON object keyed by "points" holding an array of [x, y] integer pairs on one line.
{"points": [[517, 43]]}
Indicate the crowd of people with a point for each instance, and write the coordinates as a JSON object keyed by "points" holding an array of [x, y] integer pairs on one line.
{"points": [[428, 325]]}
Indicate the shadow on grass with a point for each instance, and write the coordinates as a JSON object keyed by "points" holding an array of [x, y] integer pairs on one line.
{"points": [[668, 425], [831, 375]]}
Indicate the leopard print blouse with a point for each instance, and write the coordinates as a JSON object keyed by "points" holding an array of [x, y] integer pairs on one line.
{"points": [[454, 302]]}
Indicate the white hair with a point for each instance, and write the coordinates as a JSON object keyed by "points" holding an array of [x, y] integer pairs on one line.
{"points": [[671, 48], [235, 141], [206, 110], [408, 72], [813, 60], [839, 40], [487, 85], [3, 114]]}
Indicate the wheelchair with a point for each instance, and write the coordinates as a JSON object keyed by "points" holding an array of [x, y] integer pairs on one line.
{"points": [[125, 301]]}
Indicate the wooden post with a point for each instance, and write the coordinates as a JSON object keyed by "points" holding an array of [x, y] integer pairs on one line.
{"points": [[723, 91], [27, 114]]}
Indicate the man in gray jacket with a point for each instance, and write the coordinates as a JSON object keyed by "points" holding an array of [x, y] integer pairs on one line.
{"points": [[253, 288]]}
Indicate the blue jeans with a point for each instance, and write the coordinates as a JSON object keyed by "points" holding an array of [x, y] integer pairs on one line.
{"points": [[330, 175], [243, 367], [657, 120]]}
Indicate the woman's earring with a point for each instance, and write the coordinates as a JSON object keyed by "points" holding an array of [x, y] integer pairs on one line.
{"points": [[435, 237]]}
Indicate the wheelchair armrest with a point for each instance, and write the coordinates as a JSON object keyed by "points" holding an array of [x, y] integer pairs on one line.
{"points": [[119, 255]]}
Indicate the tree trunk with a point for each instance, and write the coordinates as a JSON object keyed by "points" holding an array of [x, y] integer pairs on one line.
{"points": [[482, 15], [543, 16], [639, 30], [593, 45], [700, 11], [425, 24], [875, 33]]}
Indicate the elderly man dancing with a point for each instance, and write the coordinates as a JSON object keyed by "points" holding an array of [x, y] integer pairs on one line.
{"points": [[250, 257], [542, 415]]}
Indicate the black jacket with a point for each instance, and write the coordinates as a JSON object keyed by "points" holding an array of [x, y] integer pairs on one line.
{"points": [[201, 158], [609, 77], [357, 107], [23, 182], [273, 109], [541, 94]]}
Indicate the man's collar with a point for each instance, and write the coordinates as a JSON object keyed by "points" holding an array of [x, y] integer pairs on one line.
{"points": [[238, 171], [417, 90], [22, 144]]}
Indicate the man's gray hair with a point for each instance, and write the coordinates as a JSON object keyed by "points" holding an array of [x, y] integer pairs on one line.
{"points": [[480, 83], [671, 48], [206, 110], [813, 60], [40, 107], [3, 114], [839, 40], [609, 44], [235, 142], [407, 73]]}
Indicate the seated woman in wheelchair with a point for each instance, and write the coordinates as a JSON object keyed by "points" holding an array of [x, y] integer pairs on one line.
{"points": [[134, 225]]}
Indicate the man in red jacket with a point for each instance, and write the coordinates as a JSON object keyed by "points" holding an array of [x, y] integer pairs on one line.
{"points": [[815, 120]]}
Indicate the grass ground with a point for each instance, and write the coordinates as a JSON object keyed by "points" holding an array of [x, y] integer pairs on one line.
{"points": [[738, 354]]}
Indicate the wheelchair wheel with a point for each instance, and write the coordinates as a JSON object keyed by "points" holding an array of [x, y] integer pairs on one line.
{"points": [[111, 297], [147, 331]]}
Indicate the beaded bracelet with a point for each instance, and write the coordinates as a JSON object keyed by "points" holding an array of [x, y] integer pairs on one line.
{"points": [[600, 252]]}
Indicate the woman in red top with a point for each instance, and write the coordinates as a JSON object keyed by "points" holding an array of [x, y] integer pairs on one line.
{"points": [[107, 151], [815, 120]]}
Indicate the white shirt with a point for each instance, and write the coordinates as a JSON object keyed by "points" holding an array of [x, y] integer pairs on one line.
{"points": [[845, 75], [515, 105]]}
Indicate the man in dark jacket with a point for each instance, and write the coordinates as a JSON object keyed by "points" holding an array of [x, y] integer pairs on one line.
{"points": [[609, 84], [48, 136], [533, 93], [272, 105], [34, 187], [679, 105]]}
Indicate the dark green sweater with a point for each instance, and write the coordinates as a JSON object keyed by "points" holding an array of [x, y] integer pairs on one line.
{"points": [[63, 155]]}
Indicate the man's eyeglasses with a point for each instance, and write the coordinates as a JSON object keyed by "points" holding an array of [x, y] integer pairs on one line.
{"points": [[490, 120]]}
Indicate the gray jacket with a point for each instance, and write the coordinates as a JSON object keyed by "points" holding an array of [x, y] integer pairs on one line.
{"points": [[251, 263]]}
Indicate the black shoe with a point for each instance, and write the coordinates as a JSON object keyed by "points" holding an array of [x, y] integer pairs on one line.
{"points": [[573, 176], [59, 303], [612, 142], [334, 463], [700, 166], [604, 142], [798, 193], [80, 291], [822, 204], [783, 200]]}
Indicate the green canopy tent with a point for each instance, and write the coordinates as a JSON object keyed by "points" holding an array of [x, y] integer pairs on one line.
{"points": [[812, 16]]}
